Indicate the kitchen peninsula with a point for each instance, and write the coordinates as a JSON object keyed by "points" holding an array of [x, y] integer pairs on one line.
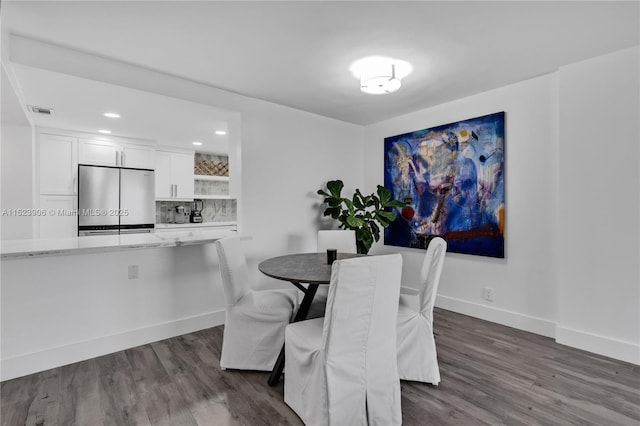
{"points": [[13, 249], [81, 297]]}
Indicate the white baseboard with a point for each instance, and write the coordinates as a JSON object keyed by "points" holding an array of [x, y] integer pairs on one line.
{"points": [[509, 318], [34, 362], [601, 345], [617, 349]]}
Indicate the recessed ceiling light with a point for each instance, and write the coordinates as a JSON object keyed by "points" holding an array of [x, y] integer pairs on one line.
{"points": [[197, 143], [106, 132], [111, 115], [380, 75], [221, 132]]}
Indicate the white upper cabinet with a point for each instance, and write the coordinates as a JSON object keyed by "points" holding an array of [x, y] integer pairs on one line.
{"points": [[107, 153], [137, 157], [98, 153], [174, 175], [182, 174], [58, 164]]}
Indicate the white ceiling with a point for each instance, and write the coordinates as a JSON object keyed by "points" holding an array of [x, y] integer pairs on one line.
{"points": [[298, 53], [79, 104]]}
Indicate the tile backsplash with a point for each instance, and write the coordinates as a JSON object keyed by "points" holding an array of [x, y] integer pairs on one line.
{"points": [[212, 211], [203, 187]]}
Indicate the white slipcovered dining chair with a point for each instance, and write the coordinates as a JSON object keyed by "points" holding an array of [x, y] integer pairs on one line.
{"points": [[340, 369], [254, 320], [343, 240], [417, 357]]}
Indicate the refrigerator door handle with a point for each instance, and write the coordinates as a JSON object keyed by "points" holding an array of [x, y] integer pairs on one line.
{"points": [[105, 232], [136, 231]]}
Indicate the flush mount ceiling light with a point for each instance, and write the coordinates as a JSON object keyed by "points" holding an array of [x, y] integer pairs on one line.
{"points": [[111, 115], [221, 132], [380, 75], [106, 132], [196, 143]]}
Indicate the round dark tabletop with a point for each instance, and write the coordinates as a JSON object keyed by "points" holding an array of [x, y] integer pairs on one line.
{"points": [[307, 268]]}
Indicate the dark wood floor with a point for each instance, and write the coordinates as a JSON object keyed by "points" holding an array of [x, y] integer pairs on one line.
{"points": [[491, 375]]}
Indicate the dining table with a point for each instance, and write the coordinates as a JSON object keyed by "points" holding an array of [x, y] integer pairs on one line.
{"points": [[306, 271]]}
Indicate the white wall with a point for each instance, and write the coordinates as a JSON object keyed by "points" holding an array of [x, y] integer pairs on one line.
{"points": [[524, 281], [16, 153], [286, 155], [599, 206], [573, 206], [62, 309]]}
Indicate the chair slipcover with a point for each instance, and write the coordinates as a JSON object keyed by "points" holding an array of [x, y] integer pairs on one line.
{"points": [[254, 320], [340, 370], [343, 240], [417, 358]]}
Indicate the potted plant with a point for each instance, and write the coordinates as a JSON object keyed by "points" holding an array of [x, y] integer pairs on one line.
{"points": [[365, 214]]}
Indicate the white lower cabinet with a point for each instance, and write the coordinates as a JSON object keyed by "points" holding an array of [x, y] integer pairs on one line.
{"points": [[59, 217]]}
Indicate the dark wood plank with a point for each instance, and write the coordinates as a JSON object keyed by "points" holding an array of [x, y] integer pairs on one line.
{"points": [[119, 398], [491, 375], [80, 395], [210, 341], [159, 395], [46, 403], [31, 400]]}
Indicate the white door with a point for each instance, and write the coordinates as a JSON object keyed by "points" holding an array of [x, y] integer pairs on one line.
{"points": [[164, 185], [60, 220], [182, 174], [99, 153], [58, 164], [138, 157]]}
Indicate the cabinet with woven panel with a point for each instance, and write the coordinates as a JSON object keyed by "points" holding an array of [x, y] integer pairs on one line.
{"points": [[211, 176]]}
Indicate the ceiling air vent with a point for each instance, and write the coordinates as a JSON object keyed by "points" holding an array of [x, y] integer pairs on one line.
{"points": [[40, 110]]}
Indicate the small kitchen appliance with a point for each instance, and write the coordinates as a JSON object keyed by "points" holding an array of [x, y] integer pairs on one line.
{"points": [[196, 211], [179, 215]]}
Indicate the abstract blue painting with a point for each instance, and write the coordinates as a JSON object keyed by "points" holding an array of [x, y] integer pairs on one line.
{"points": [[452, 177]]}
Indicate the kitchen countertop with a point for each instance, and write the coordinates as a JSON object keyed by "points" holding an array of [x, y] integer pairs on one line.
{"points": [[196, 225], [21, 249]]}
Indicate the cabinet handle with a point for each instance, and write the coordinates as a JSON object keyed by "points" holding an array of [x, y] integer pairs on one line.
{"points": [[122, 158], [171, 189], [117, 158], [176, 189]]}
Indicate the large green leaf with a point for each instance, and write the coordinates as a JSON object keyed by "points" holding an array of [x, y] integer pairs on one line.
{"points": [[396, 203], [375, 230], [335, 187], [357, 200], [354, 221], [384, 194], [387, 215]]}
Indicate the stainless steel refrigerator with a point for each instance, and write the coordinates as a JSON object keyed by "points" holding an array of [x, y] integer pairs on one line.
{"points": [[114, 200]]}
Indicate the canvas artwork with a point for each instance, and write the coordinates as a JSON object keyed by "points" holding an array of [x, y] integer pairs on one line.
{"points": [[453, 178]]}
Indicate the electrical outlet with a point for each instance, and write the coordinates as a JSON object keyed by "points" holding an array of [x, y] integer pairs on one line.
{"points": [[488, 294], [133, 272]]}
